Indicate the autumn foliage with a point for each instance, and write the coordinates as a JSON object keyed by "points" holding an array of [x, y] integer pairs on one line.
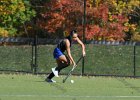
{"points": [[13, 14], [111, 20], [103, 21], [61, 14]]}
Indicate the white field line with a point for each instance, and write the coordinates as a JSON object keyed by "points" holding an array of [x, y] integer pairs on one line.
{"points": [[68, 96]]}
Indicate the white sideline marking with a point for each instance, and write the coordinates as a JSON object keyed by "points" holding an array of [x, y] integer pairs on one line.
{"points": [[69, 96]]}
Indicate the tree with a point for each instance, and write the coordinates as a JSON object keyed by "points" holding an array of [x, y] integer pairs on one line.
{"points": [[13, 14], [60, 15], [112, 17], [129, 8], [106, 19]]}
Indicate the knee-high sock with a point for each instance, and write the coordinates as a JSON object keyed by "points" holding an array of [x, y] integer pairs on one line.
{"points": [[51, 75]]}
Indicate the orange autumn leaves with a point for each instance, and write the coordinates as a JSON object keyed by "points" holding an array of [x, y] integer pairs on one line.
{"points": [[104, 19]]}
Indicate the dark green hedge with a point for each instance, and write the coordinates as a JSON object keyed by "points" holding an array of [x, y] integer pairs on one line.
{"points": [[99, 60], [16, 58]]}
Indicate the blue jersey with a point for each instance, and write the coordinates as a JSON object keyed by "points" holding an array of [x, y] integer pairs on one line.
{"points": [[61, 47], [62, 44]]}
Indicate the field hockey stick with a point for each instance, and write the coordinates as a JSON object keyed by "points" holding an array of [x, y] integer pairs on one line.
{"points": [[64, 80]]}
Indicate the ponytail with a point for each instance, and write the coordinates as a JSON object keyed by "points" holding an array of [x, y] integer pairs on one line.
{"points": [[73, 32]]}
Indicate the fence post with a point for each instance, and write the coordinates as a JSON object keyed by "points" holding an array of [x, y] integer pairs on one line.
{"points": [[36, 56], [34, 64], [83, 66], [134, 61], [84, 28], [32, 59]]}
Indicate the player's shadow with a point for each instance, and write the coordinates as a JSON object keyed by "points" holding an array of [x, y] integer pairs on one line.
{"points": [[58, 87], [55, 85]]}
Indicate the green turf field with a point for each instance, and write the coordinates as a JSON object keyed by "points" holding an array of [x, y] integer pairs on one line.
{"points": [[33, 87]]}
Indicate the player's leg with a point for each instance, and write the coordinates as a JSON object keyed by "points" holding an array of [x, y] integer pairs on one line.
{"points": [[62, 62]]}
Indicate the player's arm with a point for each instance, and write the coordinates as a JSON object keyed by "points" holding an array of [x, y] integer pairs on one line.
{"points": [[82, 45], [69, 52]]}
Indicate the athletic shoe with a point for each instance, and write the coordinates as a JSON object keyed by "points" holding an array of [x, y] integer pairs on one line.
{"points": [[50, 80], [55, 72]]}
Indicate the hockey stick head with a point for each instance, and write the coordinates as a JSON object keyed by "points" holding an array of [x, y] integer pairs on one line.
{"points": [[72, 70]]}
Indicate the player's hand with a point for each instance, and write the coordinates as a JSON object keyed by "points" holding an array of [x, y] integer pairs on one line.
{"points": [[74, 64], [71, 62], [84, 53]]}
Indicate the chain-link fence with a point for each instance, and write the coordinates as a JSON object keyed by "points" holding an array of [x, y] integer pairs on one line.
{"points": [[102, 58]]}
